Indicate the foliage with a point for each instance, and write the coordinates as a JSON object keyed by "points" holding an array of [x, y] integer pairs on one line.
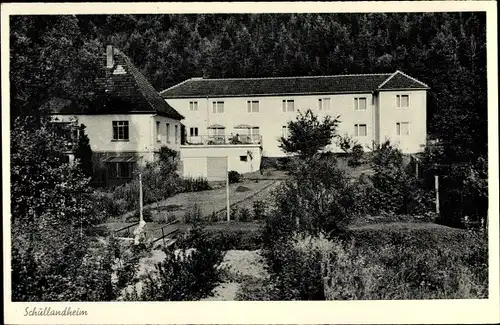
{"points": [[191, 184], [393, 190], [168, 159], [356, 156], [235, 239], [189, 272], [308, 135], [259, 210], [52, 206], [346, 143], [234, 177], [317, 197], [244, 215], [432, 262], [83, 153], [193, 214]]}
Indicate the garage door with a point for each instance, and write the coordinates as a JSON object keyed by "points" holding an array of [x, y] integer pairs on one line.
{"points": [[194, 167], [216, 168]]}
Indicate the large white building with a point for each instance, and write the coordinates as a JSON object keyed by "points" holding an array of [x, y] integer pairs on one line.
{"points": [[372, 108]]}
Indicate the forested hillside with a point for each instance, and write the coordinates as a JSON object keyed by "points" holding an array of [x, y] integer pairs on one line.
{"points": [[57, 56]]}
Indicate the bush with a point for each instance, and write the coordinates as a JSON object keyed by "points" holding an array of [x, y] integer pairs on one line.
{"points": [[195, 184], [214, 217], [190, 271], [234, 177], [316, 198], [193, 214], [259, 209], [244, 215], [235, 239], [356, 156]]}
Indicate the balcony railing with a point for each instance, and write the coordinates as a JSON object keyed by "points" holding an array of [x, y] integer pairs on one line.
{"points": [[224, 139]]}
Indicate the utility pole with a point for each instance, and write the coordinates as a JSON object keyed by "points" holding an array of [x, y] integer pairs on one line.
{"points": [[141, 217], [227, 194], [436, 184]]}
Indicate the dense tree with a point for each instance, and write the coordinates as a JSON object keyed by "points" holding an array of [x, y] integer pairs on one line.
{"points": [[308, 135], [83, 152]]}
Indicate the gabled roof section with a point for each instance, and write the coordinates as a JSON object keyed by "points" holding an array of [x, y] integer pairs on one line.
{"points": [[399, 80], [125, 84], [306, 85]]}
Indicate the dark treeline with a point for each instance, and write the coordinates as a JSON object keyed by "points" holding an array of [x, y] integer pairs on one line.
{"points": [[58, 56]]}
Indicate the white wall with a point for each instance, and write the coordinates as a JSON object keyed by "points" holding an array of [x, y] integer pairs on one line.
{"points": [[194, 158], [415, 114], [271, 118], [142, 132]]}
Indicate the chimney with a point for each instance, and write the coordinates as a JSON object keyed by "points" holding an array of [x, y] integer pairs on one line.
{"points": [[110, 61]]}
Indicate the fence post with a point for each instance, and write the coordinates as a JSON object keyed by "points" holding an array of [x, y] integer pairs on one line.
{"points": [[227, 197], [141, 217], [436, 184], [163, 236]]}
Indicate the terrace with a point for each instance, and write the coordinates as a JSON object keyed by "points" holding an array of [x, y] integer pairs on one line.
{"points": [[224, 139]]}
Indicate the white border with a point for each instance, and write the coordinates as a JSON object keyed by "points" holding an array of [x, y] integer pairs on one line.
{"points": [[348, 312]]}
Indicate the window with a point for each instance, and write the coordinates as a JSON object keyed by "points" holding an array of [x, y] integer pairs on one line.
{"points": [[324, 104], [284, 131], [218, 107], [255, 134], [402, 101], [360, 130], [120, 130], [403, 128], [167, 132], [120, 170], [360, 103], [158, 136], [193, 132], [253, 106], [288, 105], [193, 106], [176, 133], [243, 158]]}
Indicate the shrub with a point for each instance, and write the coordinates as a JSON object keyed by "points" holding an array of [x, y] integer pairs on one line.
{"points": [[234, 177], [235, 239], [146, 214], [190, 271], [195, 184], [244, 215], [234, 211], [317, 198], [356, 156], [193, 214], [259, 209], [214, 217]]}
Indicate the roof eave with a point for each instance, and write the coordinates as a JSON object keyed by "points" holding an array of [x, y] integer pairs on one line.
{"points": [[269, 94]]}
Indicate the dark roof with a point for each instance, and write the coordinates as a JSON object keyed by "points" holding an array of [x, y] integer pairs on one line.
{"points": [[124, 89], [199, 87]]}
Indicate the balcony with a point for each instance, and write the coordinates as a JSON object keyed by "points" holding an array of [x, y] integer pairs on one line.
{"points": [[224, 139]]}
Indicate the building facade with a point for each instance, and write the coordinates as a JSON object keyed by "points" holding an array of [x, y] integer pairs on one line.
{"points": [[127, 123], [371, 108]]}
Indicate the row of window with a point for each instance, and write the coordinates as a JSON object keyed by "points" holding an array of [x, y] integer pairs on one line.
{"points": [[360, 130], [288, 105], [121, 131]]}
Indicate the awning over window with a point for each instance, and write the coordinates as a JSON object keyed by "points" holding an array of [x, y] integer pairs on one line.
{"points": [[216, 126], [127, 159], [243, 126]]}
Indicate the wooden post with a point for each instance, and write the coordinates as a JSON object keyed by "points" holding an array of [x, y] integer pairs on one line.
{"points": [[163, 236], [227, 196], [416, 169], [141, 217], [436, 183]]}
